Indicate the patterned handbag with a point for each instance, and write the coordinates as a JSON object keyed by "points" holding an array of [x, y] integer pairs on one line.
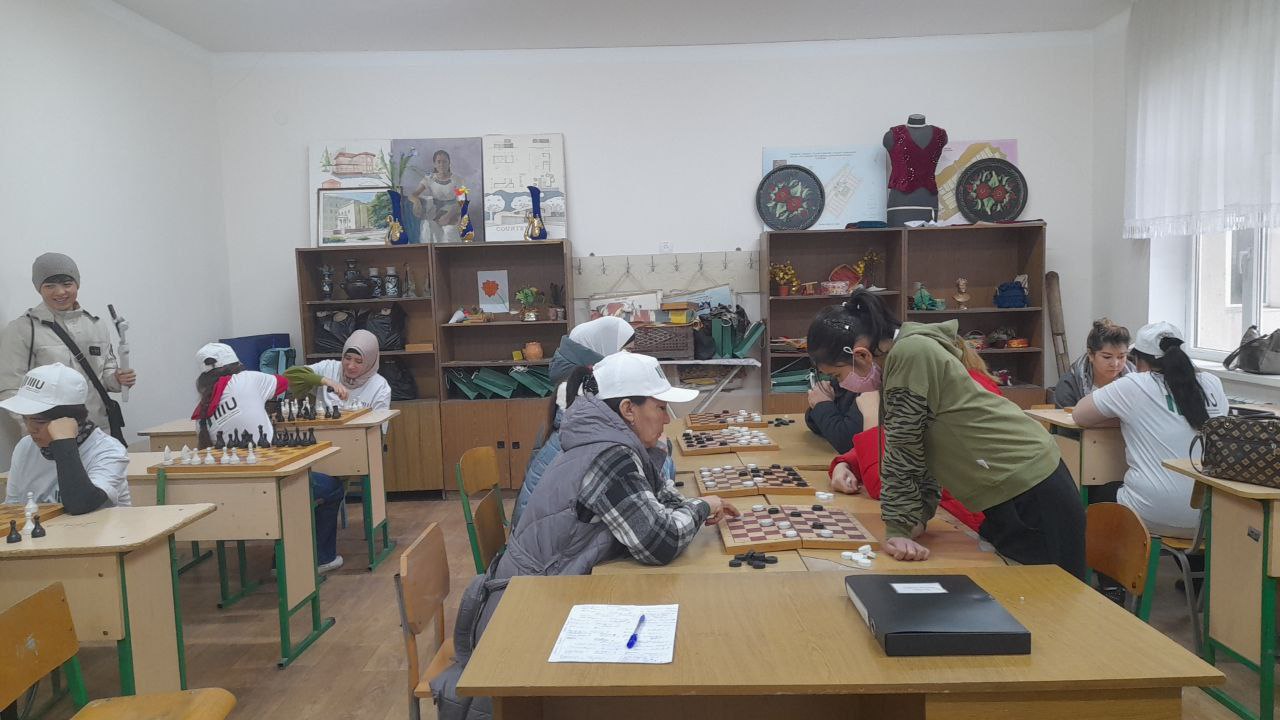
{"points": [[1244, 449]]}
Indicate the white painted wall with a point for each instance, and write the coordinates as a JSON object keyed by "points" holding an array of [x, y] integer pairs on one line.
{"points": [[109, 151], [661, 143]]}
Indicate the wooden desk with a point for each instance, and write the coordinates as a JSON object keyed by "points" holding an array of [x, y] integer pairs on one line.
{"points": [[1095, 456], [359, 439], [1241, 568], [704, 555], [798, 447], [797, 647], [118, 566], [252, 505]]}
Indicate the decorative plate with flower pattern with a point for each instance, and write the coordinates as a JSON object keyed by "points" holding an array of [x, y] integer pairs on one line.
{"points": [[790, 197], [991, 190]]}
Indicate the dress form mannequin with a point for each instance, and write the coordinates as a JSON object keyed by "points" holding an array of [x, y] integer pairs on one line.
{"points": [[914, 150]]}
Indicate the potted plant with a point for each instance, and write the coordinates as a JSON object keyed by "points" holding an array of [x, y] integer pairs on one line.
{"points": [[529, 298], [783, 277]]}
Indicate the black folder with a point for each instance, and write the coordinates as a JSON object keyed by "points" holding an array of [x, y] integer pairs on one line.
{"points": [[935, 615]]}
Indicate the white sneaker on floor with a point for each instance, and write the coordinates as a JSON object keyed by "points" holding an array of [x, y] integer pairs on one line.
{"points": [[330, 566]]}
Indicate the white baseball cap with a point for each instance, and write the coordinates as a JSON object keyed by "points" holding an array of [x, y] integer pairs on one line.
{"points": [[625, 374], [216, 355], [1149, 337], [47, 387]]}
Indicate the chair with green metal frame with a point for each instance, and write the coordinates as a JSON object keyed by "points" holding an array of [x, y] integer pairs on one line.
{"points": [[1117, 545], [477, 471], [37, 636]]}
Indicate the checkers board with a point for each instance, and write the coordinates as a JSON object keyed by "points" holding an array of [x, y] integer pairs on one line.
{"points": [[743, 480], [748, 531], [269, 459], [17, 512], [723, 419], [346, 417], [724, 441]]}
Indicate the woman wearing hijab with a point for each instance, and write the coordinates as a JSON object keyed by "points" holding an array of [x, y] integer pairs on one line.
{"points": [[353, 378], [584, 346]]}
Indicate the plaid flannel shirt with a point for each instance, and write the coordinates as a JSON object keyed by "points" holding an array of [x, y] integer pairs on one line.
{"points": [[655, 525]]}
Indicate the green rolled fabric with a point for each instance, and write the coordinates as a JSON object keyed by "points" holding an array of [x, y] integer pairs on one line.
{"points": [[303, 380]]}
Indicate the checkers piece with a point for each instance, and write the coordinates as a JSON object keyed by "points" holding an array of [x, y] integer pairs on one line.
{"points": [[724, 419], [830, 528], [728, 440], [742, 481]]}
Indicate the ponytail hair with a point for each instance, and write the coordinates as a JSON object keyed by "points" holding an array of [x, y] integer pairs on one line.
{"points": [[1106, 333], [208, 380], [581, 380], [1180, 375], [838, 328]]}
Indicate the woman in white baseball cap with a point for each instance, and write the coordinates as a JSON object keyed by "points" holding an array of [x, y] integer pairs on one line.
{"points": [[232, 399], [65, 458], [1160, 408]]}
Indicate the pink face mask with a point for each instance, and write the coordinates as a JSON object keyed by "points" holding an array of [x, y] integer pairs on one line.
{"points": [[853, 382]]}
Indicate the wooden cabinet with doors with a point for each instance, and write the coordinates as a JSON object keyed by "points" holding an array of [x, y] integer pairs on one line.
{"points": [[510, 427]]}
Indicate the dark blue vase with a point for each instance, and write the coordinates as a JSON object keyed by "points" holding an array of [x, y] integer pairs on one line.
{"points": [[398, 215]]}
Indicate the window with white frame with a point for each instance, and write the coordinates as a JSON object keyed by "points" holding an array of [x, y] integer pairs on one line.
{"points": [[1237, 284]]}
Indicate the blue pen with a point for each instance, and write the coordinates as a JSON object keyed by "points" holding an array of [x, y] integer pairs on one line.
{"points": [[635, 636]]}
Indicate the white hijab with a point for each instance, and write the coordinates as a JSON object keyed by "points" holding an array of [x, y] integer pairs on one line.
{"points": [[605, 335]]}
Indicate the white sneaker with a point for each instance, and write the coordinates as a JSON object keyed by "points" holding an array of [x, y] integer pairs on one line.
{"points": [[330, 566]]}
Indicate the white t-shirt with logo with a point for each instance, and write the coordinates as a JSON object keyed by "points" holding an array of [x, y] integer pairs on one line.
{"points": [[1154, 432], [375, 393], [105, 460], [242, 405]]}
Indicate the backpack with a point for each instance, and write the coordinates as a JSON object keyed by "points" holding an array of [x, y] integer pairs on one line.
{"points": [[1011, 295], [275, 361]]}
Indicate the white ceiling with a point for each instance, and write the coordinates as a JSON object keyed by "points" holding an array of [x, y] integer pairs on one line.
{"points": [[358, 25]]}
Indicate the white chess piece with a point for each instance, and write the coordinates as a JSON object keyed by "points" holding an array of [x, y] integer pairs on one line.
{"points": [[235, 457], [252, 458], [29, 512], [208, 457], [225, 459], [185, 455], [168, 455]]}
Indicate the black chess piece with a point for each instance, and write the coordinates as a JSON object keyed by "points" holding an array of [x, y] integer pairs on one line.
{"points": [[14, 535], [288, 439], [291, 417], [220, 443], [311, 437], [38, 530], [279, 418], [202, 438], [263, 442]]}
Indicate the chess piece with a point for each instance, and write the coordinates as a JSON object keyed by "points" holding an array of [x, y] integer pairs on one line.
{"points": [[279, 416], [252, 457], [185, 455], [168, 456], [290, 416], [235, 457], [962, 296], [220, 443], [203, 440], [28, 512], [38, 530], [225, 459], [263, 441], [311, 437], [14, 535], [208, 457]]}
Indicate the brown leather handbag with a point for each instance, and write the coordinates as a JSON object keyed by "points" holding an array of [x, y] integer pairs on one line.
{"points": [[1244, 449]]}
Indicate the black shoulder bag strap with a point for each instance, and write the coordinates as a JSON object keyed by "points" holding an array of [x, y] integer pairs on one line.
{"points": [[114, 414]]}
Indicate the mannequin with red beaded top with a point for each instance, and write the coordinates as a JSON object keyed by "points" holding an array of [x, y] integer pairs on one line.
{"points": [[914, 150]]}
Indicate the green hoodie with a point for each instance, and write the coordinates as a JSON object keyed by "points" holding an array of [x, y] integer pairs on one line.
{"points": [[939, 423]]}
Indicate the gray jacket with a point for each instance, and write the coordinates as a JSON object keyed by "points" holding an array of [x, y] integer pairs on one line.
{"points": [[26, 344], [1078, 382]]}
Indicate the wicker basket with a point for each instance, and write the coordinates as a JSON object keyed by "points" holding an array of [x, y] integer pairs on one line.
{"points": [[665, 342], [704, 377]]}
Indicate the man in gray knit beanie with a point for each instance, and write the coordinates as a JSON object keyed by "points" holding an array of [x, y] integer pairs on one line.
{"points": [[32, 340]]}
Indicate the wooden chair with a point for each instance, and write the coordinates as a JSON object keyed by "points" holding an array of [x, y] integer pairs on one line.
{"points": [[1117, 545], [37, 636], [477, 471], [421, 588]]}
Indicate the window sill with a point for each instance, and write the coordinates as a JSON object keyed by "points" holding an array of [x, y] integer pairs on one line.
{"points": [[1215, 368]]}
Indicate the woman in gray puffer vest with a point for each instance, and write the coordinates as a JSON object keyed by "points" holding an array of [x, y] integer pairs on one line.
{"points": [[602, 497]]}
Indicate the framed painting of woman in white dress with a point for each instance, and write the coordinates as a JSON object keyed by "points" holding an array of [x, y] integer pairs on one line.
{"points": [[438, 168]]}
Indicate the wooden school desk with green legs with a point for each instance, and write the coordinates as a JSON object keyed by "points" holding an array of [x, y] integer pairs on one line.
{"points": [[360, 442], [119, 568], [257, 504]]}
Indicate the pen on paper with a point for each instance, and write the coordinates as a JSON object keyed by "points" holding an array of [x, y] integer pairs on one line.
{"points": [[635, 635]]}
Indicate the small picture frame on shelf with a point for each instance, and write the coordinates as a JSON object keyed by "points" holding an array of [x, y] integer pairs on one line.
{"points": [[352, 216]]}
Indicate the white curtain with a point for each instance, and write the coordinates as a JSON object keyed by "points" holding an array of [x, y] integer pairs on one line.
{"points": [[1203, 140]]}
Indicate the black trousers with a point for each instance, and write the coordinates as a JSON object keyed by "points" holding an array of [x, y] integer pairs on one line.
{"points": [[1042, 526]]}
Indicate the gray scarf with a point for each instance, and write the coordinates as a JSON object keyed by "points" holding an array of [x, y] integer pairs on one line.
{"points": [[86, 428]]}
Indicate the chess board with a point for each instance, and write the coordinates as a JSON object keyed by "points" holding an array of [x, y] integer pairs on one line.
{"points": [[18, 512], [346, 417], [723, 419], [269, 459], [746, 532], [723, 441], [743, 480]]}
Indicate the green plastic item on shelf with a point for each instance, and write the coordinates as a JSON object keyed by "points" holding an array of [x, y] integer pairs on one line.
{"points": [[754, 333], [722, 335], [495, 382], [539, 387], [460, 381]]}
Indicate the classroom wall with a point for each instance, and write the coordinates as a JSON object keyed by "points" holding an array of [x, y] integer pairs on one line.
{"points": [[109, 145], [661, 143]]}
